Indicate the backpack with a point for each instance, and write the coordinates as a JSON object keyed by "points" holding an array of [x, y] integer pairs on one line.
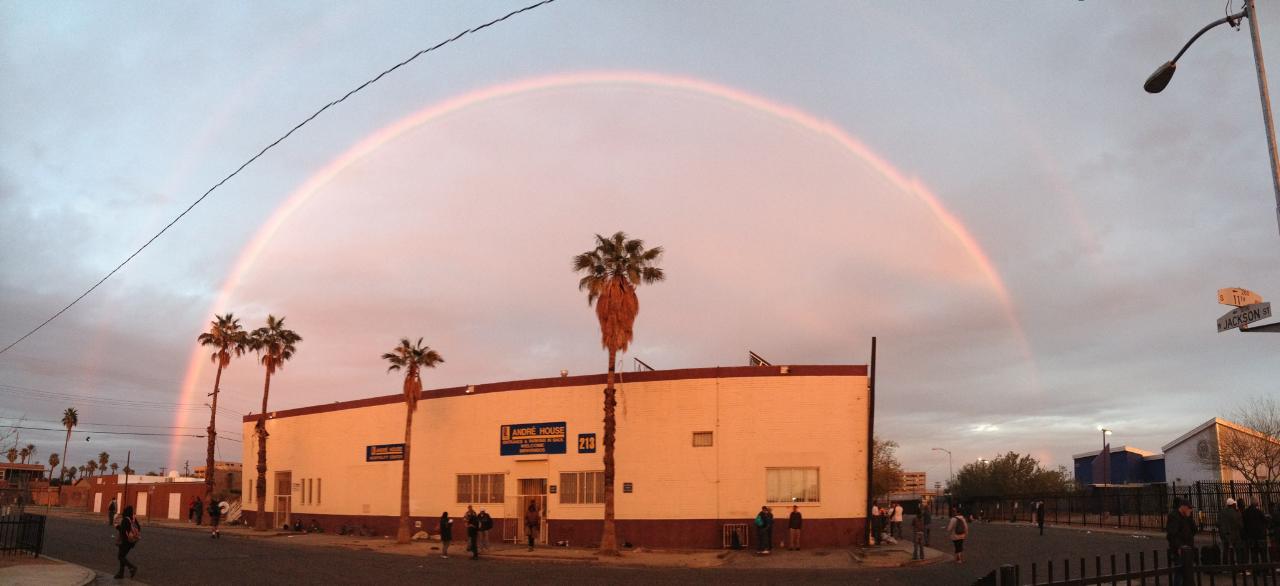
{"points": [[962, 527], [760, 520], [134, 532]]}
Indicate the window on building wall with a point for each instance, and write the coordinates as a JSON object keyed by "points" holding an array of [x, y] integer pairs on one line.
{"points": [[703, 439], [581, 488], [785, 485], [481, 488]]}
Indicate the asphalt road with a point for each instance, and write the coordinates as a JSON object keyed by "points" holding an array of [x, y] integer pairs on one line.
{"points": [[181, 556]]}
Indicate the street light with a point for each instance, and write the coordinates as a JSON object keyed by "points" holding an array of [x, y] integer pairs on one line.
{"points": [[951, 478], [1106, 478], [1160, 78]]}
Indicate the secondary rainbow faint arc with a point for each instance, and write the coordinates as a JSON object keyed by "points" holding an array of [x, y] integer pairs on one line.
{"points": [[389, 133]]}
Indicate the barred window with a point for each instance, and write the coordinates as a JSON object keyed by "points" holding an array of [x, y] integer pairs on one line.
{"points": [[703, 439], [786, 485], [581, 488], [481, 488]]}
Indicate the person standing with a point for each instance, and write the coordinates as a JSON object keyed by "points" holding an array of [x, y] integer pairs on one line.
{"points": [[917, 537], [1231, 529], [927, 516], [793, 528], [446, 534], [531, 522], [762, 540], [486, 523], [1180, 531], [111, 512], [958, 528], [127, 535], [1039, 514], [198, 505], [473, 532], [768, 530], [215, 516], [1255, 533], [875, 523], [895, 522]]}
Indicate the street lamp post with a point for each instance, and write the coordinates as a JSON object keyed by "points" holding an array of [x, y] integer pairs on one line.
{"points": [[951, 473], [1158, 80], [1105, 457]]}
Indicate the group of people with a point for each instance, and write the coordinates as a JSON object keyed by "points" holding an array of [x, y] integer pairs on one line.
{"points": [[478, 526], [764, 530], [1243, 528], [886, 522], [197, 509]]}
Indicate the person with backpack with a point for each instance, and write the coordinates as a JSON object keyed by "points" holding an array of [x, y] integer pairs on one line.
{"points": [[486, 523], [128, 532], [762, 540], [958, 527], [215, 516]]}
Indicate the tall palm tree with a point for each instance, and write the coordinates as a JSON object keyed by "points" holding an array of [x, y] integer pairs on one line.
{"points": [[31, 452], [409, 357], [90, 467], [275, 345], [227, 338], [114, 467], [23, 453], [53, 463], [103, 458], [70, 419], [70, 474], [614, 269], [12, 455]]}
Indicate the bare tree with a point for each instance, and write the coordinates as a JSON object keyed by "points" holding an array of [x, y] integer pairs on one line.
{"points": [[1251, 446]]}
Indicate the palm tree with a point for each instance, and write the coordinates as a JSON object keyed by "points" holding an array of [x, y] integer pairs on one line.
{"points": [[275, 345], [31, 452], [71, 474], [410, 357], [70, 418], [53, 463], [23, 453], [91, 467], [114, 467], [614, 269], [128, 471], [103, 458], [228, 338], [12, 455]]}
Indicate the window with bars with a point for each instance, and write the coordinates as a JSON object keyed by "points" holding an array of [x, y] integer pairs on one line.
{"points": [[788, 485], [703, 439], [481, 488], [581, 488]]}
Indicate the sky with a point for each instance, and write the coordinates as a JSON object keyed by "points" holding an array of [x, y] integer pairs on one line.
{"points": [[1035, 242]]}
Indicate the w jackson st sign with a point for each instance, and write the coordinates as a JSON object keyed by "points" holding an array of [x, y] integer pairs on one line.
{"points": [[1243, 316]]}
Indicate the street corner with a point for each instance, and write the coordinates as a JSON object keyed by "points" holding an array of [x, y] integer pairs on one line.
{"points": [[43, 571]]}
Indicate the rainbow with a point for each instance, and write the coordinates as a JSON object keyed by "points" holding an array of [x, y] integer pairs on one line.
{"points": [[373, 142]]}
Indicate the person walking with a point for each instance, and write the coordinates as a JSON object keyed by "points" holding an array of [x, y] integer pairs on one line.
{"points": [[1231, 530], [793, 528], [111, 512], [198, 505], [1039, 515], [917, 537], [1255, 533], [1180, 531], [486, 523], [895, 522], [531, 522], [473, 532], [215, 517], [927, 516], [446, 534], [958, 528], [128, 532]]}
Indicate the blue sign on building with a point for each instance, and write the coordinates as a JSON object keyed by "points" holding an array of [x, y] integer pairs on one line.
{"points": [[533, 438], [384, 453], [586, 443]]}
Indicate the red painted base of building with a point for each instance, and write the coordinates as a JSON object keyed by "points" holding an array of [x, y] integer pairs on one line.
{"points": [[658, 533]]}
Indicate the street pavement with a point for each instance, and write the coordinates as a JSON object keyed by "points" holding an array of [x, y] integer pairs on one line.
{"points": [[168, 555]]}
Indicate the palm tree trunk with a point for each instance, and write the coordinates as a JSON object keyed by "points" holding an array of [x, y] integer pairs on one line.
{"points": [[402, 534], [213, 435], [260, 520], [65, 443], [609, 538]]}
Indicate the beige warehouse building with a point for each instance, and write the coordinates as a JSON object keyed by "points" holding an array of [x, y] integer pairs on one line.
{"points": [[697, 450]]}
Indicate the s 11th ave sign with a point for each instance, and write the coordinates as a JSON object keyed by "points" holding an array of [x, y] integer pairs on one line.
{"points": [[1238, 297], [1242, 316]]}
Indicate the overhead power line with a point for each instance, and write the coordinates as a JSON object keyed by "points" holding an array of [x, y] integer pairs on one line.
{"points": [[264, 150], [102, 432]]}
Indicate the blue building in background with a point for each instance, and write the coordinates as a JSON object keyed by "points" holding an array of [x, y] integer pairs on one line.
{"points": [[1123, 465]]}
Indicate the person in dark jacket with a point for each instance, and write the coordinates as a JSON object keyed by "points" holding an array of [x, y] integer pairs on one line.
{"points": [[1180, 530], [1040, 516], [126, 533], [793, 528], [532, 520], [473, 532], [927, 516], [768, 530], [215, 517], [446, 534], [486, 523], [198, 505], [1255, 533], [1231, 529], [762, 539], [111, 512]]}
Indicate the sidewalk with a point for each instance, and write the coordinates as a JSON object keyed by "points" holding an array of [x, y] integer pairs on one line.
{"points": [[44, 571]]}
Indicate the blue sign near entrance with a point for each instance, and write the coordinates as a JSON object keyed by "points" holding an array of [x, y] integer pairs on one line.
{"points": [[384, 453], [586, 443], [533, 438]]}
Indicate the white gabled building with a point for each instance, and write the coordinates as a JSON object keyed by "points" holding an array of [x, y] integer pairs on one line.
{"points": [[1183, 457]]}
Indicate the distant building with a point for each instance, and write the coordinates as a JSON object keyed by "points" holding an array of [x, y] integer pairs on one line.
{"points": [[226, 477], [914, 482], [1124, 465], [1192, 457], [14, 474]]}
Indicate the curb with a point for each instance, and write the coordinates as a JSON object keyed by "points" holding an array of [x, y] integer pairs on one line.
{"points": [[90, 575]]}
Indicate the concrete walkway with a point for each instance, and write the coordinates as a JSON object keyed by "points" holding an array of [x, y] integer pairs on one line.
{"points": [[46, 571]]}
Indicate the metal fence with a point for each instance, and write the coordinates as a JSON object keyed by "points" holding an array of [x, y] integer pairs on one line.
{"points": [[1143, 507], [1130, 569], [21, 532]]}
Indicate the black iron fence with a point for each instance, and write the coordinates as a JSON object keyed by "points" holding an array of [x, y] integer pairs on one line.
{"points": [[1189, 567], [1144, 507], [21, 532]]}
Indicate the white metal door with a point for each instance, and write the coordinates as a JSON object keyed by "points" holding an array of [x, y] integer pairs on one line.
{"points": [[142, 505], [97, 502], [175, 503]]}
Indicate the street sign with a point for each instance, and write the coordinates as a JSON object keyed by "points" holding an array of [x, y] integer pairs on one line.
{"points": [[1238, 297], [1242, 316]]}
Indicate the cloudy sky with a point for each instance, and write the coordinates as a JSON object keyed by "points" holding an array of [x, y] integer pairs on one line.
{"points": [[984, 186]]}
